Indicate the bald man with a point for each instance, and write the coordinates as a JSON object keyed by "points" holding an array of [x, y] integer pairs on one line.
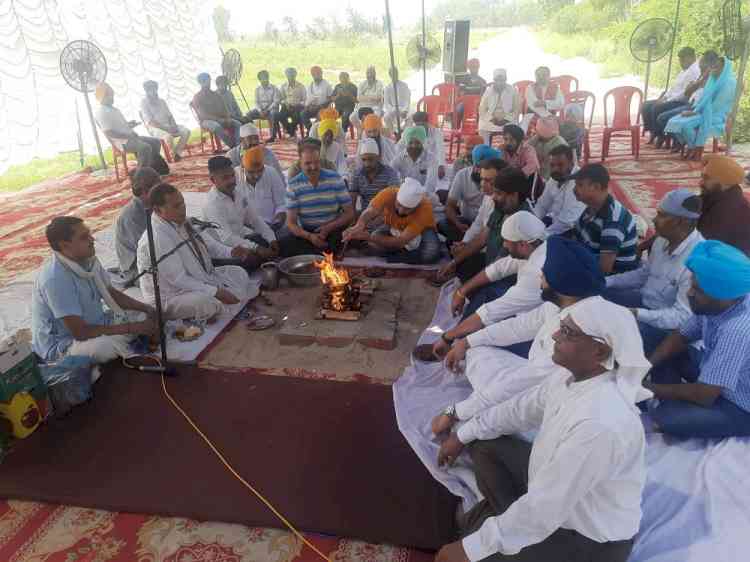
{"points": [[726, 211]]}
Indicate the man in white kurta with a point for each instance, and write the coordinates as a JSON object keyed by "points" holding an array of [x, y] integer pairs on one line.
{"points": [[265, 186], [575, 493], [558, 205], [190, 286], [373, 128], [369, 99], [249, 138], [230, 206], [160, 122], [543, 98], [500, 105], [389, 102]]}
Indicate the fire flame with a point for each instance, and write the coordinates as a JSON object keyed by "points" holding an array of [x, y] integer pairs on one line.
{"points": [[329, 274]]}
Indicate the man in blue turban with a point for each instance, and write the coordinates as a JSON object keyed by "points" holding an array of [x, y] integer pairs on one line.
{"points": [[706, 393]]}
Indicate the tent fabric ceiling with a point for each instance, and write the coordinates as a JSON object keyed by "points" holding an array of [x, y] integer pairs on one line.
{"points": [[169, 41]]}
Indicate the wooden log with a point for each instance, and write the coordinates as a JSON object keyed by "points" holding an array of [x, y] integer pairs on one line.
{"points": [[349, 315]]}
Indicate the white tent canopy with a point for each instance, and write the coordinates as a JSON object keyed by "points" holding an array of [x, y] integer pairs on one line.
{"points": [[169, 41]]}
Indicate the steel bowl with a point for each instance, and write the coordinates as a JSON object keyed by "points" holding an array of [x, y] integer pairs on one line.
{"points": [[300, 270]]}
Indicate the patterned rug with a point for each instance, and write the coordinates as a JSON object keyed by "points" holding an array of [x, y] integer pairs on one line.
{"points": [[46, 533]]}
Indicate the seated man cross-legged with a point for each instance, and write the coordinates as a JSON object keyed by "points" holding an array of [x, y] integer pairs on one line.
{"points": [[575, 493], [657, 291], [190, 285], [319, 207], [706, 393], [67, 314], [408, 235]]}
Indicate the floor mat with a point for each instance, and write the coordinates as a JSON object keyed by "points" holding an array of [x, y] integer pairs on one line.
{"points": [[327, 454]]}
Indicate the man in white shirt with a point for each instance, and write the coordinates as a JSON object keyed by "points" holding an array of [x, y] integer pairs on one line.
{"points": [[657, 292], [499, 106], [121, 134], [574, 494], [190, 285], [267, 100], [543, 98], [319, 94], [250, 138], [462, 205], [373, 129], [369, 99], [414, 160], [509, 286], [159, 120], [674, 97], [558, 206], [435, 139], [266, 187], [230, 206], [389, 102], [292, 97]]}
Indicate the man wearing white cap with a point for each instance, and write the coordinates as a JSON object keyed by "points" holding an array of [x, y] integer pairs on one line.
{"points": [[500, 104], [575, 494], [373, 176], [657, 292], [408, 234], [250, 137]]}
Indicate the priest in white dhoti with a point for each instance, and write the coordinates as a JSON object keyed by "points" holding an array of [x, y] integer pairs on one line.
{"points": [[499, 106], [131, 222], [544, 98], [230, 206], [265, 186], [495, 372], [369, 100], [190, 285], [249, 138], [389, 102], [575, 493]]}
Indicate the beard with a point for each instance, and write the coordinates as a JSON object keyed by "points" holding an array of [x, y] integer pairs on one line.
{"points": [[558, 177], [704, 309], [476, 177], [550, 295]]}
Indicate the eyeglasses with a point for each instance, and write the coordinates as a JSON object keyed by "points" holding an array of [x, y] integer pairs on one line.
{"points": [[569, 333]]}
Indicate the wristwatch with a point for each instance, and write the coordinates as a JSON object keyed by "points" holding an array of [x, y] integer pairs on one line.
{"points": [[450, 411], [446, 339]]}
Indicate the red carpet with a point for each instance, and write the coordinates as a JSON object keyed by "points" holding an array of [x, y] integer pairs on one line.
{"points": [[328, 455]]}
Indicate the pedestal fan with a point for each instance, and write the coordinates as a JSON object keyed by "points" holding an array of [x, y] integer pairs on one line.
{"points": [[651, 41], [231, 68]]}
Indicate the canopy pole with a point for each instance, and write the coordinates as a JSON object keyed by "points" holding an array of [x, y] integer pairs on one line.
{"points": [[740, 86], [393, 66], [424, 53], [675, 26]]}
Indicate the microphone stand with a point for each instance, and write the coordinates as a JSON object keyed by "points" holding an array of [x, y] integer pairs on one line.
{"points": [[164, 368]]}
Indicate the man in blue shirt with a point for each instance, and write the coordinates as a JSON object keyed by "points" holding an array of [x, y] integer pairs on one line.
{"points": [[707, 393], [67, 314]]}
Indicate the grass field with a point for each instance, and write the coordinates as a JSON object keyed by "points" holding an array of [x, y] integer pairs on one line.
{"points": [[332, 56]]}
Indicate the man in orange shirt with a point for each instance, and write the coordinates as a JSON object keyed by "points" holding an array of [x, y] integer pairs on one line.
{"points": [[408, 233]]}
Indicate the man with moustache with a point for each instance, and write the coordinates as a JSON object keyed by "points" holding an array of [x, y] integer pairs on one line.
{"points": [[558, 206]]}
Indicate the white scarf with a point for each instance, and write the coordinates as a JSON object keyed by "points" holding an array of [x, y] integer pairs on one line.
{"points": [[616, 325], [96, 272]]}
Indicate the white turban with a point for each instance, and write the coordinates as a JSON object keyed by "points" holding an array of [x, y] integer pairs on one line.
{"points": [[368, 146], [249, 130], [617, 326], [410, 193], [499, 73], [522, 226]]}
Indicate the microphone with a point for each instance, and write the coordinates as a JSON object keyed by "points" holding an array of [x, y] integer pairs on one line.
{"points": [[202, 224]]}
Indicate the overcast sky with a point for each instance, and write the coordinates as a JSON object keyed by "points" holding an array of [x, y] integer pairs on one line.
{"points": [[250, 16]]}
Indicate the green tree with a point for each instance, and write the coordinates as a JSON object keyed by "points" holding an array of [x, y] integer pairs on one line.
{"points": [[221, 18]]}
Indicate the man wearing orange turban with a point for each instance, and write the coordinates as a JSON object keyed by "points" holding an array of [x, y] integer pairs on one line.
{"points": [[121, 134], [470, 84], [319, 94], [369, 99], [266, 187], [726, 211], [372, 127], [327, 114]]}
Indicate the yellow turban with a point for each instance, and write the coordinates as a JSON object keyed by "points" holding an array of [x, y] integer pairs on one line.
{"points": [[102, 89], [328, 113], [255, 155], [372, 121], [328, 125], [723, 169]]}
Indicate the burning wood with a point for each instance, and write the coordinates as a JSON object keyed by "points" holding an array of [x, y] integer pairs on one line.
{"points": [[339, 294]]}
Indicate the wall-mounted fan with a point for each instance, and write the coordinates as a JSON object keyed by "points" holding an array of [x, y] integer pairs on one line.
{"points": [[651, 41], [83, 66]]}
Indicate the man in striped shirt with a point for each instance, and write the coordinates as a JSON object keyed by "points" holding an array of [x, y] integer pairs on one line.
{"points": [[319, 207], [706, 393], [606, 226], [374, 176]]}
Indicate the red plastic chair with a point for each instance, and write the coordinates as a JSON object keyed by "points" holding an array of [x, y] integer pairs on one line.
{"points": [[215, 141], [565, 81], [582, 97], [622, 121], [521, 88], [432, 105], [469, 124], [448, 93]]}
